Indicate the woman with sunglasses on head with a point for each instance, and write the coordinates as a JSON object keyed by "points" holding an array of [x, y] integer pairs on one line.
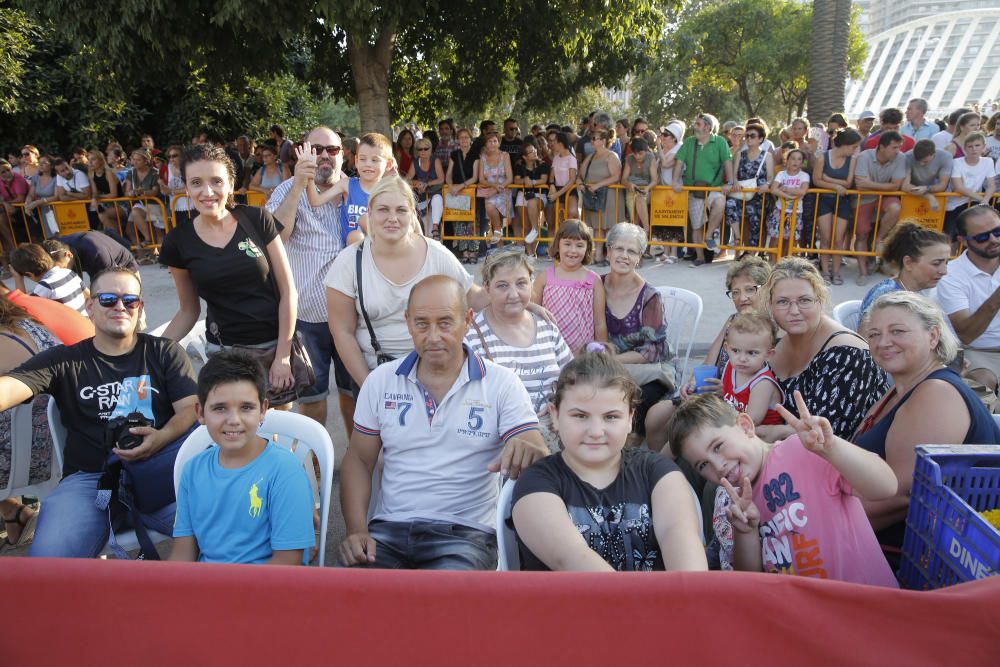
{"points": [[232, 257], [27, 166]]}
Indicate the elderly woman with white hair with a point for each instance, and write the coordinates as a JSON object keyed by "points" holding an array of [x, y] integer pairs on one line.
{"points": [[636, 319], [928, 401]]}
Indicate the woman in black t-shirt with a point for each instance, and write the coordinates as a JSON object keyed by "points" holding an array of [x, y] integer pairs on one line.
{"points": [[596, 505], [220, 258], [532, 173]]}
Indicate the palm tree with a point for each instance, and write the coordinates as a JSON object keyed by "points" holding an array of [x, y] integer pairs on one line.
{"points": [[831, 24]]}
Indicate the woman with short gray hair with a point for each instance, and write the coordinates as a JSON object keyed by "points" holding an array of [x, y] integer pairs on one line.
{"points": [[928, 401], [637, 327]]}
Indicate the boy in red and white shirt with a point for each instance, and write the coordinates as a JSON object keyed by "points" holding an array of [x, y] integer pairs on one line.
{"points": [[747, 381]]}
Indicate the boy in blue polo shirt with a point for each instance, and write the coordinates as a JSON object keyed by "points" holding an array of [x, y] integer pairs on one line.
{"points": [[245, 500]]}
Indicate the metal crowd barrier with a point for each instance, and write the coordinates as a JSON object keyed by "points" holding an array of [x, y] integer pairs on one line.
{"points": [[69, 217], [669, 220]]}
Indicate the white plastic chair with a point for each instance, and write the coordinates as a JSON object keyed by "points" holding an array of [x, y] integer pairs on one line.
{"points": [[848, 313], [297, 433], [508, 557], [195, 338], [126, 539], [682, 309], [20, 458]]}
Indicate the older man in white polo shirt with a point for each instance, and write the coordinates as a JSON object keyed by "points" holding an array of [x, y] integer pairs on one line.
{"points": [[447, 422], [970, 293]]}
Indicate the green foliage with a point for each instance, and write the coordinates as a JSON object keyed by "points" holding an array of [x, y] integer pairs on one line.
{"points": [[17, 34], [172, 66], [737, 59]]}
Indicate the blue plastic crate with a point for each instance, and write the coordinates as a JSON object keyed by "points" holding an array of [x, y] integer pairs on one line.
{"points": [[947, 541]]}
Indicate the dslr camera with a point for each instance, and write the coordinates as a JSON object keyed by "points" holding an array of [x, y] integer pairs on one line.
{"points": [[118, 435]]}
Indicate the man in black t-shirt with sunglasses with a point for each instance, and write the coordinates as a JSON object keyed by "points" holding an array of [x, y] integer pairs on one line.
{"points": [[117, 372]]}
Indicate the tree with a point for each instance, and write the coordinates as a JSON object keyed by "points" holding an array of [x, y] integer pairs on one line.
{"points": [[737, 59], [831, 59], [459, 55]]}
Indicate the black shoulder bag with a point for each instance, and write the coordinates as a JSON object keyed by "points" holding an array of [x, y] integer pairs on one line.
{"points": [[302, 368], [380, 356]]}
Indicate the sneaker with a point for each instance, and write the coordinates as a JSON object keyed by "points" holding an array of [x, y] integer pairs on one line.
{"points": [[497, 236], [713, 243], [696, 263], [530, 238]]}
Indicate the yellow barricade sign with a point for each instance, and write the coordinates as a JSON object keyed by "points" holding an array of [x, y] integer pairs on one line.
{"points": [[668, 208], [256, 198], [72, 218], [917, 209], [460, 207]]}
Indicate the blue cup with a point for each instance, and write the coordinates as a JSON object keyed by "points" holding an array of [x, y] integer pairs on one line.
{"points": [[703, 373]]}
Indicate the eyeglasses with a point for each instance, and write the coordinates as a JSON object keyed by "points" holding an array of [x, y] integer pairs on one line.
{"points": [[330, 150], [985, 236], [631, 252], [803, 303], [110, 299], [746, 291]]}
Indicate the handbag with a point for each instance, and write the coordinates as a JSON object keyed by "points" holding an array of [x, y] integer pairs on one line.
{"points": [[302, 369], [748, 186], [380, 356], [701, 194], [593, 201]]}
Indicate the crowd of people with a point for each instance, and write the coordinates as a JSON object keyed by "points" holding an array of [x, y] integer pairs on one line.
{"points": [[562, 380]]}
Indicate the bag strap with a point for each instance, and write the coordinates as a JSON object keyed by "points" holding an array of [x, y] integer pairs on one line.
{"points": [[482, 339], [19, 341], [361, 299]]}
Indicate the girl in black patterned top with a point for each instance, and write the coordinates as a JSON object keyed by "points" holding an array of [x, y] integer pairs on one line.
{"points": [[596, 505], [828, 364]]}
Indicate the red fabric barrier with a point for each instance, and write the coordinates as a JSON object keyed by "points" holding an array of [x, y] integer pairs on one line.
{"points": [[80, 612]]}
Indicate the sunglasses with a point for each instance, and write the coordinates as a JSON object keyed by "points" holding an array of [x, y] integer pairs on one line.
{"points": [[985, 236], [753, 135], [110, 299], [424, 148], [330, 150], [26, 154]]}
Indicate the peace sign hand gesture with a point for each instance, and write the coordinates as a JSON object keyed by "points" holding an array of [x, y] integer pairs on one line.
{"points": [[815, 433], [742, 513]]}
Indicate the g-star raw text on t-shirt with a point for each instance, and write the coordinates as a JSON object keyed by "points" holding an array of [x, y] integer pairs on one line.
{"points": [[106, 394]]}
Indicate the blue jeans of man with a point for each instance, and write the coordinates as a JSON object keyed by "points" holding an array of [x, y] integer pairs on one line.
{"points": [[432, 545], [71, 526]]}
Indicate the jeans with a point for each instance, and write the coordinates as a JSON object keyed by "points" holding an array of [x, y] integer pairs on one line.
{"points": [[318, 341], [71, 526], [432, 545]]}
